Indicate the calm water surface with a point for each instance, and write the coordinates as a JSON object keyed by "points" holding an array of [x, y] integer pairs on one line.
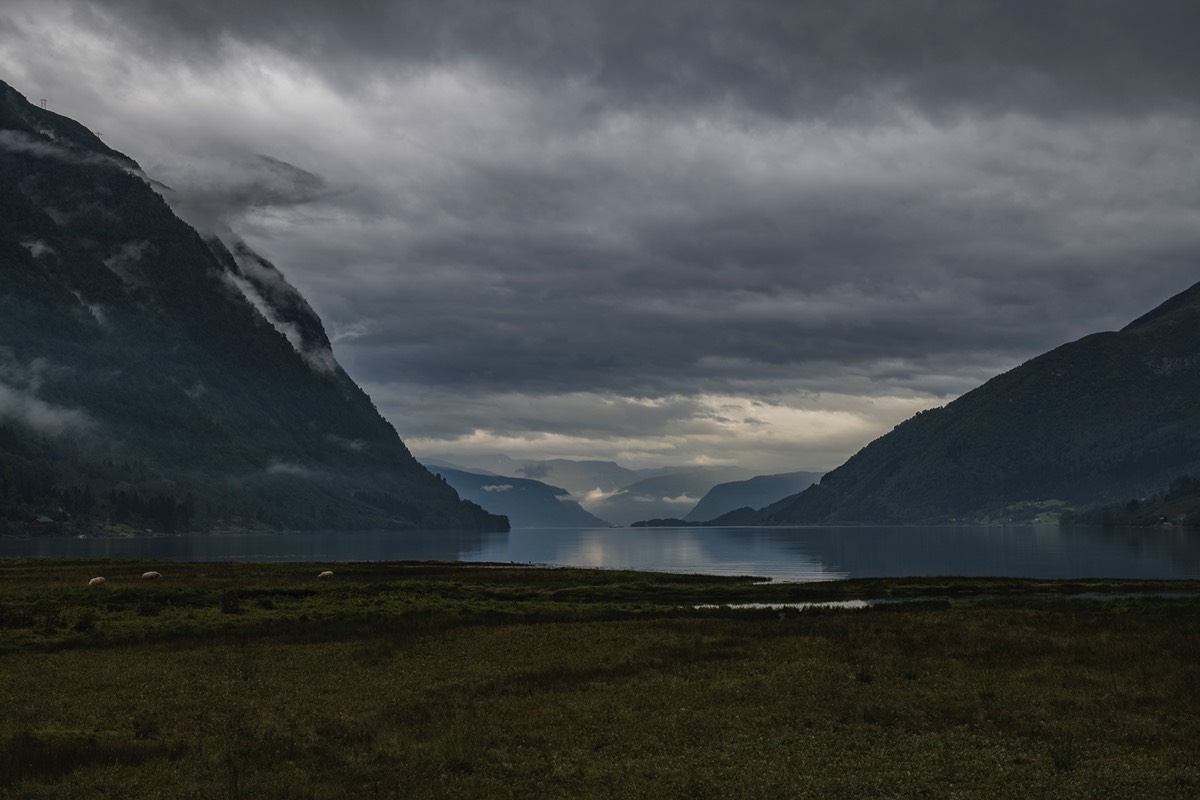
{"points": [[787, 554]]}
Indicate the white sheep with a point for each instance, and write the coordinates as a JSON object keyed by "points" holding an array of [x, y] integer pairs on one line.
{"points": [[326, 574], [151, 576], [96, 582]]}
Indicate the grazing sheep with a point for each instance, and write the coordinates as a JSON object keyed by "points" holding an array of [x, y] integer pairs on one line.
{"points": [[326, 574], [151, 576], [96, 582]]}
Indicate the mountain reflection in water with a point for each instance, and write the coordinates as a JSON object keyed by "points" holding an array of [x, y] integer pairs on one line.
{"points": [[782, 554]]}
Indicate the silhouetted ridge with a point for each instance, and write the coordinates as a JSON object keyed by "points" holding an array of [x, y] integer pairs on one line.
{"points": [[153, 377], [1108, 417]]}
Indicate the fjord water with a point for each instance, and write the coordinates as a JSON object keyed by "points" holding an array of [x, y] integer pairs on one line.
{"points": [[782, 554]]}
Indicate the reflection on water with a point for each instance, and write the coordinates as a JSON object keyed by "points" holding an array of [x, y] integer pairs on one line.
{"points": [[836, 604], [715, 551], [788, 554]]}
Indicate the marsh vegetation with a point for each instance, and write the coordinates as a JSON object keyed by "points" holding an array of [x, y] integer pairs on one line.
{"points": [[429, 680]]}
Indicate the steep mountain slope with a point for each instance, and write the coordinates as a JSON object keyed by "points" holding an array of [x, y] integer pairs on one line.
{"points": [[1103, 419], [757, 492], [157, 378], [527, 503]]}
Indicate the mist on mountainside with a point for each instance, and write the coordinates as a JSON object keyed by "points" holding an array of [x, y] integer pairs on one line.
{"points": [[153, 377]]}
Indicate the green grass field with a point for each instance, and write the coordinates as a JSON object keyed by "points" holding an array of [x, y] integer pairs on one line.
{"points": [[427, 680]]}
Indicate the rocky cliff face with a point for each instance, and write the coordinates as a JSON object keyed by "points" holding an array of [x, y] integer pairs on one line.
{"points": [[154, 376]]}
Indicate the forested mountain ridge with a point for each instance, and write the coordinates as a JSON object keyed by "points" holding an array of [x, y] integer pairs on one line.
{"points": [[1103, 419], [152, 377]]}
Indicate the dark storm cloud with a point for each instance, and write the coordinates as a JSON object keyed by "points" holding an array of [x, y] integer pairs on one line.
{"points": [[596, 222], [778, 58], [717, 279]]}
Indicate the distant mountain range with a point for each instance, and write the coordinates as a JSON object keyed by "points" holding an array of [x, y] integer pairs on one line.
{"points": [[527, 503], [153, 376], [757, 492], [580, 478], [622, 496], [667, 495], [1111, 417]]}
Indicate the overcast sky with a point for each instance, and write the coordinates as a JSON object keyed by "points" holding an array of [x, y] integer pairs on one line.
{"points": [[664, 232]]}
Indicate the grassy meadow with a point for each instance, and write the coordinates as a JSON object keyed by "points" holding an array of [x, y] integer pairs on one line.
{"points": [[467, 681]]}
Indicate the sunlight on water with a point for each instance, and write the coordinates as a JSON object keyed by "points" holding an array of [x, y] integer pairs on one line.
{"points": [[837, 604]]}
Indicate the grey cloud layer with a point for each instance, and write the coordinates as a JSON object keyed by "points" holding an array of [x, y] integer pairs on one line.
{"points": [[516, 217], [688, 282], [783, 57]]}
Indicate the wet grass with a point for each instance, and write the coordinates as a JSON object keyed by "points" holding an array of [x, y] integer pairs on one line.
{"points": [[429, 680]]}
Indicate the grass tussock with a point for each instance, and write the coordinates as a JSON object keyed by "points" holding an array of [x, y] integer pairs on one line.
{"points": [[460, 682]]}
